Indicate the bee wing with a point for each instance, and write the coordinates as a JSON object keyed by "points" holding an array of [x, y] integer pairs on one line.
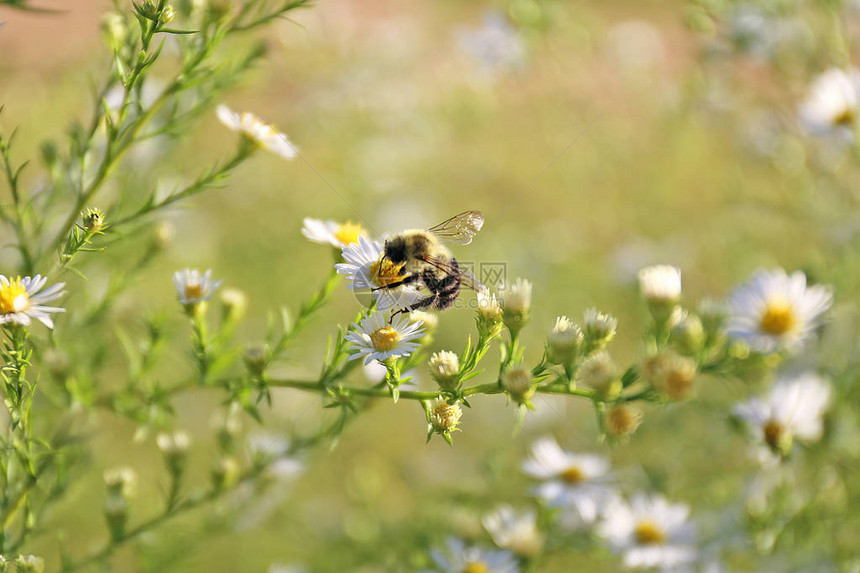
{"points": [[467, 278], [460, 229]]}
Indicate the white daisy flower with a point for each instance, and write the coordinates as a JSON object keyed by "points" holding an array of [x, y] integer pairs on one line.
{"points": [[365, 268], [514, 530], [776, 311], [569, 480], [832, 104], [462, 559], [793, 408], [332, 233], [374, 339], [194, 288], [21, 301], [660, 284], [257, 131], [650, 532]]}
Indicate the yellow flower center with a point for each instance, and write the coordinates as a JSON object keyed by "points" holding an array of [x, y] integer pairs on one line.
{"points": [[13, 297], [773, 432], [349, 233], [384, 272], [572, 475], [193, 290], [778, 318], [647, 533], [846, 117], [475, 567], [679, 383], [384, 339]]}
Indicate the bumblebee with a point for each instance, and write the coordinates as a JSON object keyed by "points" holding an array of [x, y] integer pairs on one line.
{"points": [[428, 264]]}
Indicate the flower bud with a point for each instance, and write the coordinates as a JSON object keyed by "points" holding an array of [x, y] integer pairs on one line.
{"points": [[660, 285], [688, 334], [563, 341], [518, 383], [225, 474], [598, 329], [93, 221], [114, 31], [120, 481], [30, 564], [621, 421], [489, 314], [163, 235], [175, 449], [517, 303], [233, 303], [256, 357], [600, 373], [445, 369], [444, 418], [5, 566], [672, 374]]}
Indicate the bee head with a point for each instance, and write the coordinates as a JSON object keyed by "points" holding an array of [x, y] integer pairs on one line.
{"points": [[395, 250]]}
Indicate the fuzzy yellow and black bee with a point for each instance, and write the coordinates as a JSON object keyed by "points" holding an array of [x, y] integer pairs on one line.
{"points": [[427, 264]]}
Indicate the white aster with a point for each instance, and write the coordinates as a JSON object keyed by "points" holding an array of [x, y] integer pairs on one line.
{"points": [[331, 232], [518, 298], [650, 532], [375, 339], [21, 301], [514, 530], [660, 284], [832, 104], [776, 311], [459, 558], [793, 409], [192, 287], [257, 131], [365, 268], [574, 481]]}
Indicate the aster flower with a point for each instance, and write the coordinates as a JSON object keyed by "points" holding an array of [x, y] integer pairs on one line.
{"points": [[192, 287], [257, 131], [776, 311], [832, 104], [793, 408], [563, 341], [366, 269], [444, 418], [445, 369], [21, 301], [375, 339], [460, 558], [660, 284], [514, 530], [332, 233], [569, 480], [650, 532]]}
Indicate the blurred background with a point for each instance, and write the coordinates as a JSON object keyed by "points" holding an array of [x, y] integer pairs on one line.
{"points": [[587, 134]]}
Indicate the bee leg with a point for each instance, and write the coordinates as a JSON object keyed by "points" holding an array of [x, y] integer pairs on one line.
{"points": [[404, 281], [423, 303]]}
